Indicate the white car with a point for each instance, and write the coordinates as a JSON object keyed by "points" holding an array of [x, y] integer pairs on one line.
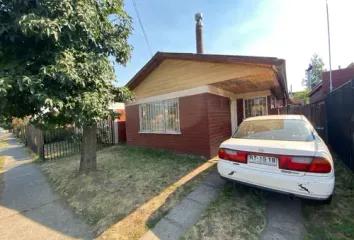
{"points": [[281, 153]]}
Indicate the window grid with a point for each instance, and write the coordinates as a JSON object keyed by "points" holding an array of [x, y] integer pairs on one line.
{"points": [[160, 116], [255, 107]]}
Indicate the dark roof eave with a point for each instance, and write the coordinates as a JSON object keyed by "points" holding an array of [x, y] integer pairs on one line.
{"points": [[281, 75]]}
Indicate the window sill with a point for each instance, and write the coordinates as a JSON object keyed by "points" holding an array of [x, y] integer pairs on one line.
{"points": [[173, 133]]}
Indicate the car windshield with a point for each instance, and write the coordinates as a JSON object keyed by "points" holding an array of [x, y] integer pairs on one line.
{"points": [[275, 129]]}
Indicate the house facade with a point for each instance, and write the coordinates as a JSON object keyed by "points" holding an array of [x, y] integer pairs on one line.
{"points": [[339, 78], [190, 103]]}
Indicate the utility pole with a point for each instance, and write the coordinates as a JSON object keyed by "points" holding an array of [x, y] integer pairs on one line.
{"points": [[308, 70], [329, 51]]}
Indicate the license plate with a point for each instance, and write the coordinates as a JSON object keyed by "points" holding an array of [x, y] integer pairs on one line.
{"points": [[264, 160]]}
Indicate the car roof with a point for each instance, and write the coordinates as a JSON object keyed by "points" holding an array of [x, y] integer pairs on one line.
{"points": [[270, 117]]}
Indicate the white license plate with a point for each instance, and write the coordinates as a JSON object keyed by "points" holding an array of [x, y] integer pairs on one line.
{"points": [[264, 160]]}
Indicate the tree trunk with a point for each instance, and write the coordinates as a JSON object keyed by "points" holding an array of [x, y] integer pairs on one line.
{"points": [[88, 161]]}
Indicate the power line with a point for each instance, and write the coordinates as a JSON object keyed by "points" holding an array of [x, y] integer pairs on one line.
{"points": [[141, 26]]}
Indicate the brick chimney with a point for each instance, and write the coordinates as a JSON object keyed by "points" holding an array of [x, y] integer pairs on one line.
{"points": [[199, 32]]}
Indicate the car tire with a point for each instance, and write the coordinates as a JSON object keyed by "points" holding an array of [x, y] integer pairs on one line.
{"points": [[328, 200]]}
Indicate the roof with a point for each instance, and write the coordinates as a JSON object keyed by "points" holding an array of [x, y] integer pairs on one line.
{"points": [[277, 64], [317, 87], [339, 78], [270, 117]]}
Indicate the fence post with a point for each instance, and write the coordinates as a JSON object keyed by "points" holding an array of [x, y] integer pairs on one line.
{"points": [[40, 144], [115, 130]]}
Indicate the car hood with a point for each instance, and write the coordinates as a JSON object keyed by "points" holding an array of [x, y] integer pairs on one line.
{"points": [[294, 148]]}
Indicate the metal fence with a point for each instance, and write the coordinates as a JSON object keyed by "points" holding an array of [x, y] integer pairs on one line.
{"points": [[340, 122], [334, 121], [315, 113], [61, 142], [31, 137], [64, 141]]}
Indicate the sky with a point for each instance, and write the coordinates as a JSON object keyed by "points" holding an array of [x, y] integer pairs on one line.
{"points": [[290, 29]]}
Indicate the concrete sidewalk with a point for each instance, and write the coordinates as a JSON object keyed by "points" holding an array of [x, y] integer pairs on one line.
{"points": [[29, 209], [188, 212], [284, 215], [284, 218]]}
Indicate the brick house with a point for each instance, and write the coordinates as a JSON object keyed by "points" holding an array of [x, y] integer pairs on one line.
{"points": [[339, 78], [190, 103]]}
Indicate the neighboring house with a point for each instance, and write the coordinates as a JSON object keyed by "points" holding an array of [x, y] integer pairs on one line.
{"points": [[190, 103], [118, 107], [339, 78], [119, 124]]}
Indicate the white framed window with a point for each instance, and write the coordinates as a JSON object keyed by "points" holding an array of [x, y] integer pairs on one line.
{"points": [[160, 116], [255, 107], [275, 103]]}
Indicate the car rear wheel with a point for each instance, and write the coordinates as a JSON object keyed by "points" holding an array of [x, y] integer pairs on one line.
{"points": [[328, 200]]}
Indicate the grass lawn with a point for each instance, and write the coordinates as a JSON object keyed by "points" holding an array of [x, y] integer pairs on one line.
{"points": [[238, 213], [3, 143], [2, 160], [132, 189], [334, 221]]}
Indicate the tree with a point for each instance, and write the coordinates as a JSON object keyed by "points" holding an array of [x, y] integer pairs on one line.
{"points": [[123, 94], [5, 122], [54, 62], [317, 69], [302, 96]]}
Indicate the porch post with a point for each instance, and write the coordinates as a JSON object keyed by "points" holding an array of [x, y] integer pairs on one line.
{"points": [[233, 112]]}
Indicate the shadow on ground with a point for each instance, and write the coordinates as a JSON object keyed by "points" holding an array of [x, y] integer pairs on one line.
{"points": [[15, 152], [29, 209]]}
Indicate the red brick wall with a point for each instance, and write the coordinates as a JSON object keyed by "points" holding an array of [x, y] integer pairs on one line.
{"points": [[339, 77], [194, 137], [219, 118], [205, 122]]}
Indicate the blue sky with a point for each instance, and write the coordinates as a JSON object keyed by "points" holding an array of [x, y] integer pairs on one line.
{"points": [[288, 29]]}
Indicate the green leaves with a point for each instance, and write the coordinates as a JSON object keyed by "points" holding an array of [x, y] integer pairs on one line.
{"points": [[318, 67], [54, 58], [40, 27], [123, 94], [302, 96]]}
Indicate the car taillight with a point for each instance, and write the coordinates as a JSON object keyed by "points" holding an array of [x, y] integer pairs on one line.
{"points": [[232, 155], [320, 165], [305, 164]]}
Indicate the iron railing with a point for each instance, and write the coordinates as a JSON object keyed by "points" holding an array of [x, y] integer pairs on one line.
{"points": [[61, 142]]}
